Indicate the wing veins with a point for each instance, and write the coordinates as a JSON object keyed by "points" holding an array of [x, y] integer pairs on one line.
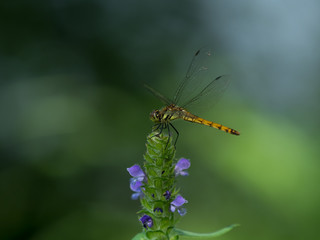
{"points": [[164, 99], [189, 76], [206, 90]]}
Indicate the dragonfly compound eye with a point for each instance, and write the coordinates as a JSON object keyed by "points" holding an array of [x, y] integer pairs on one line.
{"points": [[154, 115]]}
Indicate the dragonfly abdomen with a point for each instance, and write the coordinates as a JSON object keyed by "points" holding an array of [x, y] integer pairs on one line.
{"points": [[193, 118]]}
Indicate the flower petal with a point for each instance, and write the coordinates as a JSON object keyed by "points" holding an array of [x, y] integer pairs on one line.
{"points": [[172, 208], [167, 195], [136, 195], [158, 210], [136, 171], [184, 173], [182, 211], [179, 201], [146, 221], [135, 185], [181, 165]]}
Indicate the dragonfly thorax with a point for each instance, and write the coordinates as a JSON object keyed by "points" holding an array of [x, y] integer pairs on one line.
{"points": [[167, 114]]}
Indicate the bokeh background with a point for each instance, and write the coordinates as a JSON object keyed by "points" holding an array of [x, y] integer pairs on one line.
{"points": [[74, 115]]}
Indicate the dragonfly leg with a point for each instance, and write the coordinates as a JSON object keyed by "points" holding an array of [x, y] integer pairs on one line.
{"points": [[161, 126], [169, 133], [175, 142], [156, 126]]}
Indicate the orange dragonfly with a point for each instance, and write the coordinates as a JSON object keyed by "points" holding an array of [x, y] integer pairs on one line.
{"points": [[197, 84]]}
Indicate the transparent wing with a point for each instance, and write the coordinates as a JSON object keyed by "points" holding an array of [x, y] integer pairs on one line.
{"points": [[164, 99], [201, 82], [211, 93]]}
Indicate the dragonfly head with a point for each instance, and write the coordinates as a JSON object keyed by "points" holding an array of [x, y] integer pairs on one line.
{"points": [[155, 116]]}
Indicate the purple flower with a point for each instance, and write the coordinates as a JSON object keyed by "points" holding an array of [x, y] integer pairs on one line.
{"points": [[177, 204], [182, 165], [158, 210], [135, 186], [136, 172], [146, 221], [137, 181], [167, 195]]}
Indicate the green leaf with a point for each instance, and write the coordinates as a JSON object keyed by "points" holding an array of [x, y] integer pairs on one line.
{"points": [[156, 235], [206, 235], [140, 236]]}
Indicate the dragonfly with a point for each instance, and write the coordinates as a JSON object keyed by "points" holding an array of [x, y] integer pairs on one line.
{"points": [[198, 84]]}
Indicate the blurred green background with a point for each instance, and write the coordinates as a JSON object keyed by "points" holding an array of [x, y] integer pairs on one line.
{"points": [[74, 115]]}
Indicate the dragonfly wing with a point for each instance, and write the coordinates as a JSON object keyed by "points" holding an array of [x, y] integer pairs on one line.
{"points": [[211, 93], [201, 81], [164, 99]]}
